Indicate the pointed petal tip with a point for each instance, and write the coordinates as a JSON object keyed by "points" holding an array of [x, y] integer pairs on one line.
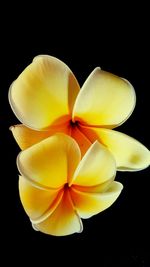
{"points": [[34, 227], [97, 69], [40, 55], [11, 128]]}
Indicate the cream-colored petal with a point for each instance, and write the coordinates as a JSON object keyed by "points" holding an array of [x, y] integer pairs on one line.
{"points": [[26, 137], [44, 93], [81, 139], [50, 163], [96, 167], [89, 204], [63, 221], [104, 100], [37, 202], [130, 155]]}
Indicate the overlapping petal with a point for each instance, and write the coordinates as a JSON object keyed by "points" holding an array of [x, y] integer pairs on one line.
{"points": [[95, 188], [104, 100], [130, 155], [51, 162], [97, 166], [56, 188], [44, 93], [63, 221], [26, 137], [88, 204], [83, 142], [37, 202], [46, 96]]}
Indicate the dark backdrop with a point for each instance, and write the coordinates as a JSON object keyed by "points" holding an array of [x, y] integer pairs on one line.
{"points": [[118, 236]]}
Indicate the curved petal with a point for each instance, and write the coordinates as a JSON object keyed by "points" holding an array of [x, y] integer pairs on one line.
{"points": [[94, 189], [130, 155], [96, 167], [51, 162], [104, 100], [44, 93], [63, 221], [37, 202], [81, 139], [89, 204], [26, 137]]}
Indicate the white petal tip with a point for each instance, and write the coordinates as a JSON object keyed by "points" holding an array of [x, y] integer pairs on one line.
{"points": [[34, 227], [11, 128]]}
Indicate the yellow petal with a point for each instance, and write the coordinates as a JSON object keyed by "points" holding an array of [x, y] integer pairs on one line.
{"points": [[50, 163], [63, 221], [44, 93], [96, 167], [94, 189], [104, 100], [130, 155], [37, 202], [81, 139], [26, 137], [89, 204]]}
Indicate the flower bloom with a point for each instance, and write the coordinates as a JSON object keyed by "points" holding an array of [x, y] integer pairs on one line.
{"points": [[58, 188], [47, 99]]}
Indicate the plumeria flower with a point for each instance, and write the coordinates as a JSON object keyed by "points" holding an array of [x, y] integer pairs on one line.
{"points": [[58, 188], [46, 98]]}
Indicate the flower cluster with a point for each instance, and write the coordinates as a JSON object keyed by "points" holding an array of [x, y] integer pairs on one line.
{"points": [[70, 150]]}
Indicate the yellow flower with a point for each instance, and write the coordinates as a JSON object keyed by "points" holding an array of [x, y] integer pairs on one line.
{"points": [[47, 99], [56, 197]]}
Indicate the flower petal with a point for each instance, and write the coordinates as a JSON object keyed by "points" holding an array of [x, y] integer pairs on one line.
{"points": [[26, 137], [89, 204], [44, 93], [81, 139], [63, 221], [104, 100], [96, 167], [51, 162], [130, 155], [95, 189], [37, 202]]}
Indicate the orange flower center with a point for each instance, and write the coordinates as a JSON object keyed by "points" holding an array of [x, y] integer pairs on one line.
{"points": [[73, 124], [66, 186]]}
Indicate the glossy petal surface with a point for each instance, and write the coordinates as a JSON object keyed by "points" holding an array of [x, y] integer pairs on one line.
{"points": [[26, 137], [96, 167], [130, 155], [63, 221], [104, 100], [44, 93], [51, 162], [89, 204]]}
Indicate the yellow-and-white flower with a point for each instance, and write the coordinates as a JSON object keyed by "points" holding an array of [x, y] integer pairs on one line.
{"points": [[46, 98], [58, 188]]}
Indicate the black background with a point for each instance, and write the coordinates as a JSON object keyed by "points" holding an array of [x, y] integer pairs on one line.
{"points": [[118, 43]]}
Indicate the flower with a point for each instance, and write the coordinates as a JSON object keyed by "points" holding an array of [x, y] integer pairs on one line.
{"points": [[56, 196], [47, 99]]}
